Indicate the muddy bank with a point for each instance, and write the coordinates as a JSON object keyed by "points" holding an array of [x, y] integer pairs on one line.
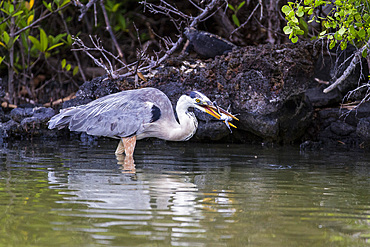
{"points": [[276, 90]]}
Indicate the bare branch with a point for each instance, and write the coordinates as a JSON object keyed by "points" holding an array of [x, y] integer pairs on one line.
{"points": [[85, 49], [109, 29], [349, 69], [245, 23], [84, 8]]}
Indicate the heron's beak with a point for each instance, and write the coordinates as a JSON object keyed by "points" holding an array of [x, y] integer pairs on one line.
{"points": [[214, 111]]}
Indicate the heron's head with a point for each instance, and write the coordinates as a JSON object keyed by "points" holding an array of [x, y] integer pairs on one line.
{"points": [[203, 103]]}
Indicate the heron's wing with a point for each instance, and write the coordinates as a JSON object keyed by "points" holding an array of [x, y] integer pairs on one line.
{"points": [[117, 123], [122, 113]]}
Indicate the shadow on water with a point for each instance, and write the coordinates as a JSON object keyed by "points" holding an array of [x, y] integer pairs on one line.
{"points": [[182, 194]]}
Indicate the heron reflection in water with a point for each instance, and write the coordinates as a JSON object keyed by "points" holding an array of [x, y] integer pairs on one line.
{"points": [[136, 114]]}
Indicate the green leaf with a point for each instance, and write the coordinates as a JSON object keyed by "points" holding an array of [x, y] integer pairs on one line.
{"points": [[43, 40], [241, 5], [15, 39], [115, 7], [68, 67], [300, 32], [361, 33], [287, 30], [286, 9], [235, 20], [69, 40], [65, 2], [63, 63], [48, 6], [343, 45], [29, 20], [231, 7], [75, 70], [366, 17], [300, 12], [11, 9], [364, 53], [294, 39], [358, 17], [35, 42], [342, 30], [1, 59], [337, 36], [54, 46], [303, 25], [6, 37], [18, 13]]}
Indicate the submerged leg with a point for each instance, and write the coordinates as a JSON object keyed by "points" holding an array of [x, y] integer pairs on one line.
{"points": [[129, 145]]}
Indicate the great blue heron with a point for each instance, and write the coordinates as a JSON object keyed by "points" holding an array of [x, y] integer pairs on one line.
{"points": [[136, 114]]}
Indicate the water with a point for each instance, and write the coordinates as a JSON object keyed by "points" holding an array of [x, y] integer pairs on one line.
{"points": [[182, 194]]}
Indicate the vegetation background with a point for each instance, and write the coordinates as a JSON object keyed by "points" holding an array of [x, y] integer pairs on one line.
{"points": [[39, 62]]}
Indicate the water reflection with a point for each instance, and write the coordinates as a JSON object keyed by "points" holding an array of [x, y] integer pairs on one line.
{"points": [[182, 194], [127, 163]]}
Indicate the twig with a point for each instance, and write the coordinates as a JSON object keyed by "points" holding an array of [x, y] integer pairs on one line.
{"points": [[109, 29], [245, 23], [7, 105], [84, 8], [59, 101], [349, 69], [97, 47], [40, 19]]}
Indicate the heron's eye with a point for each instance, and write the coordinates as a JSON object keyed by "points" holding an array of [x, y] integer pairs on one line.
{"points": [[197, 100]]}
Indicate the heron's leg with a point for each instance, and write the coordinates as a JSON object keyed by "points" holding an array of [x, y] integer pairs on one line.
{"points": [[129, 145], [120, 149]]}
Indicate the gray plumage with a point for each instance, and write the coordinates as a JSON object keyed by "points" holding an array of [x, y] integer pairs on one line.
{"points": [[143, 112]]}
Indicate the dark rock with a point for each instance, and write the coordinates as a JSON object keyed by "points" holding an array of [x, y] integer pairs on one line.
{"points": [[212, 131], [27, 121], [3, 116], [341, 128], [310, 146], [91, 90], [9, 129], [362, 111], [31, 124], [207, 45], [43, 114], [363, 129], [319, 99], [38, 120], [18, 114]]}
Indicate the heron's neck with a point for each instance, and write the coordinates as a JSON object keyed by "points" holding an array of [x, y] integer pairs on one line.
{"points": [[188, 124]]}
